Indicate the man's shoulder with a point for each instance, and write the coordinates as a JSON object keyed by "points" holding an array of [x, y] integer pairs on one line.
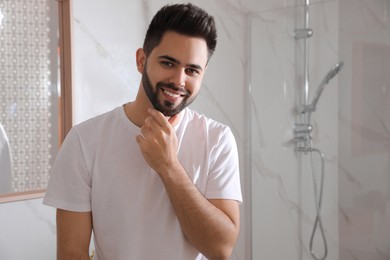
{"points": [[196, 121], [194, 117], [99, 122], [99, 118]]}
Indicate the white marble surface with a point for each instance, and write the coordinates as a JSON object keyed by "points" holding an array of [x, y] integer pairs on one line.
{"points": [[27, 231], [364, 131]]}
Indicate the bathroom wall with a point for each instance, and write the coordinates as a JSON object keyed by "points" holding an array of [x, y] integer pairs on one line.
{"points": [[364, 130], [27, 231]]}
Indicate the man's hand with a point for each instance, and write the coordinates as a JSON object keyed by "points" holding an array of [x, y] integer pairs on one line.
{"points": [[158, 141]]}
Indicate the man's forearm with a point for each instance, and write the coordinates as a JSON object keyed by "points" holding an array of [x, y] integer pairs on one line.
{"points": [[68, 254], [73, 234], [206, 226]]}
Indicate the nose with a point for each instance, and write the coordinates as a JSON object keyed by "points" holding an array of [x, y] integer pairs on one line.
{"points": [[178, 77]]}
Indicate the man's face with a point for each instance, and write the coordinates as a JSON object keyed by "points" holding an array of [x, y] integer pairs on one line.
{"points": [[174, 71]]}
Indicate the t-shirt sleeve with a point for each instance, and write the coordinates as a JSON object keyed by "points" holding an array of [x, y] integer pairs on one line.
{"points": [[224, 176], [70, 181]]}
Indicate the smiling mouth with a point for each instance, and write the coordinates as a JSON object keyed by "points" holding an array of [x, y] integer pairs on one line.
{"points": [[173, 94]]}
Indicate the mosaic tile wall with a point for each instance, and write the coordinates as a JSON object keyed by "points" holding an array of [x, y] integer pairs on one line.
{"points": [[28, 89]]}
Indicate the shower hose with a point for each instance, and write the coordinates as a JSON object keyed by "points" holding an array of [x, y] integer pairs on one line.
{"points": [[318, 200]]}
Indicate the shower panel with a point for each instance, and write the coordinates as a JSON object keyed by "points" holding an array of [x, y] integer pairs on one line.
{"points": [[303, 130], [282, 206]]}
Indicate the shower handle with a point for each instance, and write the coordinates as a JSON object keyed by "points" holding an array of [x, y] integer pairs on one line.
{"points": [[302, 133]]}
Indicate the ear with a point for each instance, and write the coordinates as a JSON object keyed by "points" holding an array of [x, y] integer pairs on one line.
{"points": [[140, 59]]}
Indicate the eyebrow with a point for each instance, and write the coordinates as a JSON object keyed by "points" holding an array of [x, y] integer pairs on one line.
{"points": [[171, 59]]}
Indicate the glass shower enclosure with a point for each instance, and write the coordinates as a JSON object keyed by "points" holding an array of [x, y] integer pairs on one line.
{"points": [[351, 126]]}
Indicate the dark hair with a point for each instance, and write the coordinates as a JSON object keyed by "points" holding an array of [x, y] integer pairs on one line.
{"points": [[186, 19]]}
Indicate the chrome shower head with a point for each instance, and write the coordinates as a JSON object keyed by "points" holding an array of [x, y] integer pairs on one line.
{"points": [[332, 72]]}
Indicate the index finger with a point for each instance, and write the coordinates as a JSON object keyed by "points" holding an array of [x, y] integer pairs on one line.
{"points": [[159, 117]]}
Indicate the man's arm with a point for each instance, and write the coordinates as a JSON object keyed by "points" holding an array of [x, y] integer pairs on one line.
{"points": [[212, 226], [74, 231]]}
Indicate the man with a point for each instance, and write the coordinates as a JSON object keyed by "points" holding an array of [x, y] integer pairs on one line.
{"points": [[152, 179]]}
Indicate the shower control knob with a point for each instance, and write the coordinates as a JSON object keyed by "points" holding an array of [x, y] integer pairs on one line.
{"points": [[303, 128]]}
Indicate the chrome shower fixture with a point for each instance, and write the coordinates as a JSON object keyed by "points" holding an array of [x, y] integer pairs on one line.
{"points": [[333, 71], [303, 33]]}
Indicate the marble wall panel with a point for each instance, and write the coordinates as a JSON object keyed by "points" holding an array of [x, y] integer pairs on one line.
{"points": [[27, 231], [364, 153]]}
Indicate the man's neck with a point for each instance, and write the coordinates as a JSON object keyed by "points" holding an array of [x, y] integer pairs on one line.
{"points": [[135, 113]]}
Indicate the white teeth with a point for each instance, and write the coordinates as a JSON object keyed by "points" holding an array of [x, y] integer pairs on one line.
{"points": [[172, 95]]}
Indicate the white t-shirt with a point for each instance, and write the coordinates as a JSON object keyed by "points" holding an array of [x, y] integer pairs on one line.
{"points": [[100, 168]]}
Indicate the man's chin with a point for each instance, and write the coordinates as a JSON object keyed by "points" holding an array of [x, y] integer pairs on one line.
{"points": [[168, 112]]}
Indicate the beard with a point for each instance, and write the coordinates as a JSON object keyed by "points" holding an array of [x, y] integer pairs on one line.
{"points": [[166, 107]]}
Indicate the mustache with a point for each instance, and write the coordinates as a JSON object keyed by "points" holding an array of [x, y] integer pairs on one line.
{"points": [[179, 90]]}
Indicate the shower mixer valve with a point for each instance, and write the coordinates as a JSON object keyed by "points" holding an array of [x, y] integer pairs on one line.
{"points": [[302, 134], [303, 33], [306, 108]]}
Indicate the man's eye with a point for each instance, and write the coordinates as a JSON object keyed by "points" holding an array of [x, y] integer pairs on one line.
{"points": [[192, 71], [167, 63]]}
